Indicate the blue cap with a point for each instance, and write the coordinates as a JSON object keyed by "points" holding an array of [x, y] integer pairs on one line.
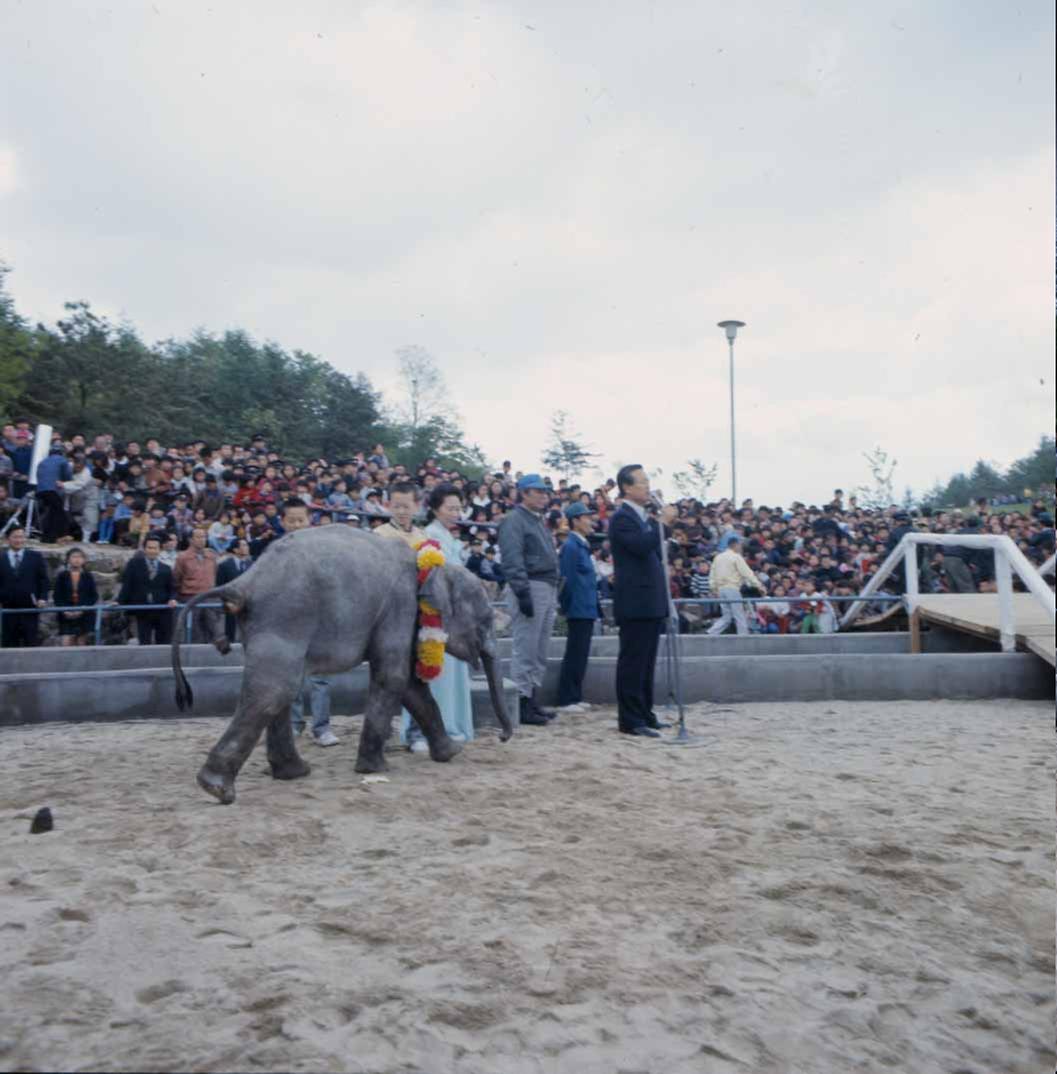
{"points": [[577, 510], [532, 481]]}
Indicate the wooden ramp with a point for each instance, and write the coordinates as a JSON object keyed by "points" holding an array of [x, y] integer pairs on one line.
{"points": [[977, 613]]}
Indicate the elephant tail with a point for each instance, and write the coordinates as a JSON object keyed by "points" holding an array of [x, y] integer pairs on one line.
{"points": [[233, 601]]}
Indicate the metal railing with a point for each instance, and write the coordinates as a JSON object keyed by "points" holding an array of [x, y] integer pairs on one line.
{"points": [[100, 610], [1008, 558]]}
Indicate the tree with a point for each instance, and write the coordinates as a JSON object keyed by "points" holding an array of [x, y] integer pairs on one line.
{"points": [[880, 494], [426, 393], [424, 424], [565, 453], [695, 481], [16, 349], [1035, 472]]}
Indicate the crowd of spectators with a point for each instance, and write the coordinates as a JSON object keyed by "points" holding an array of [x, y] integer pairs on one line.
{"points": [[103, 492]]}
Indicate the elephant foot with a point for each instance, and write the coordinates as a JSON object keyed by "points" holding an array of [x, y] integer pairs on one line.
{"points": [[371, 764], [221, 787], [444, 749], [293, 769]]}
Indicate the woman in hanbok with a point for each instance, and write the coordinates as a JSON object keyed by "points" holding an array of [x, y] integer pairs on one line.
{"points": [[451, 689]]}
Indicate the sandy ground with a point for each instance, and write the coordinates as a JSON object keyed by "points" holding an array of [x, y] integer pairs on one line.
{"points": [[831, 888]]}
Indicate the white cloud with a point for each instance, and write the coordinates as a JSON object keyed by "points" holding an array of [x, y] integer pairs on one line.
{"points": [[561, 214]]}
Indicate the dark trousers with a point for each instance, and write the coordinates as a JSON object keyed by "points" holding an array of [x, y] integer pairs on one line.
{"points": [[20, 631], [574, 662], [154, 628], [53, 516], [636, 660]]}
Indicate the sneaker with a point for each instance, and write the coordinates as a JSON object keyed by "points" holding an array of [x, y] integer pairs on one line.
{"points": [[573, 709], [299, 731], [457, 736], [419, 745], [327, 738]]}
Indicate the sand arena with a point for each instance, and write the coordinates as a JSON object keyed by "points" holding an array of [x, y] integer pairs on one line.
{"points": [[822, 888]]}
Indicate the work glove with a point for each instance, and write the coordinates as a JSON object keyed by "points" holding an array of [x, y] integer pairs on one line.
{"points": [[524, 602]]}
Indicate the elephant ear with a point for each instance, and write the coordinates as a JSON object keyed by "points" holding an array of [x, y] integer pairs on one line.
{"points": [[436, 590]]}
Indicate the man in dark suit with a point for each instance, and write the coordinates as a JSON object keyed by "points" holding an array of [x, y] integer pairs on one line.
{"points": [[227, 571], [149, 581], [23, 584], [640, 600]]}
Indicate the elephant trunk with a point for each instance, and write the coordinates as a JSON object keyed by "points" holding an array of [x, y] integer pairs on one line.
{"points": [[495, 691]]}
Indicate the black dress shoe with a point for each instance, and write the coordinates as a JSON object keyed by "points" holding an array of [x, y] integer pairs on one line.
{"points": [[657, 725], [527, 714], [641, 732], [542, 710]]}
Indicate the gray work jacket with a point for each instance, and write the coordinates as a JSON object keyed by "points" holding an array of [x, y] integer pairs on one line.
{"points": [[527, 550]]}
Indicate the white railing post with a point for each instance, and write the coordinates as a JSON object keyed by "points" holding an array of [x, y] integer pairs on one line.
{"points": [[910, 566], [1004, 578]]}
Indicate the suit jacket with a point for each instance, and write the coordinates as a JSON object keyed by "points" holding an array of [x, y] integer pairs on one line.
{"points": [[639, 589], [30, 583], [228, 570], [87, 594], [137, 587]]}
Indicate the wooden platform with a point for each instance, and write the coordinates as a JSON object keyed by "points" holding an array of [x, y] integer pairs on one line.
{"points": [[977, 613]]}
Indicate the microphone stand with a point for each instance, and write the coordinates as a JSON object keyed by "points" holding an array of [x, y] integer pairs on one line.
{"points": [[672, 649]]}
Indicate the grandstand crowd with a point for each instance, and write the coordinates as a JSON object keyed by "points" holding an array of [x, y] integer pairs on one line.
{"points": [[203, 497]]}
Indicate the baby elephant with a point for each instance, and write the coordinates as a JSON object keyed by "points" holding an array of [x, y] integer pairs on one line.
{"points": [[323, 601]]}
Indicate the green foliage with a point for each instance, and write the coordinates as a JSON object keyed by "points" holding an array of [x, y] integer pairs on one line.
{"points": [[565, 453], [89, 375], [16, 350], [1031, 476]]}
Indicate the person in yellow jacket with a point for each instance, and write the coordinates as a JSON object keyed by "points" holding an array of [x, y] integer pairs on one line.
{"points": [[729, 573]]}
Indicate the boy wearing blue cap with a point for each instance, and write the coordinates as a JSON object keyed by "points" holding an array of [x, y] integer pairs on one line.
{"points": [[578, 601]]}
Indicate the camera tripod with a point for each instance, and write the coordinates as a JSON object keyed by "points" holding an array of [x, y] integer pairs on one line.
{"points": [[28, 509]]}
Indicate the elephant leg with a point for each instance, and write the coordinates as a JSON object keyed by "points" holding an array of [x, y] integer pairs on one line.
{"points": [[267, 690], [418, 700], [383, 703], [283, 757]]}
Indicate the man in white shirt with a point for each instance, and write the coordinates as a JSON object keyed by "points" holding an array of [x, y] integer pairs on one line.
{"points": [[729, 573]]}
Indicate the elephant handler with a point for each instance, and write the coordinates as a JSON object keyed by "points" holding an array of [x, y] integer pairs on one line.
{"points": [[530, 564]]}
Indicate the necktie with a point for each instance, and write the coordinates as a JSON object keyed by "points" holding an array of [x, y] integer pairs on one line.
{"points": [[18, 560], [152, 568]]}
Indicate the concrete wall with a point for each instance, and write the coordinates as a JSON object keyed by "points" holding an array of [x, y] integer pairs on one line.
{"points": [[134, 657], [148, 693]]}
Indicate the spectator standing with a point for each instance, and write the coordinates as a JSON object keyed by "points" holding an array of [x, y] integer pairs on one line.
{"points": [[149, 580], [23, 584], [530, 565], [578, 600], [75, 587], [52, 474], [729, 573], [222, 534], [21, 458], [640, 600], [315, 689], [234, 566], [194, 573]]}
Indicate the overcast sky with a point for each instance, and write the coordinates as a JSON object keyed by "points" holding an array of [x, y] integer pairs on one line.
{"points": [[559, 201]]}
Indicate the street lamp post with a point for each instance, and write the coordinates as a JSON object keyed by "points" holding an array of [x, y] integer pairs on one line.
{"points": [[731, 328]]}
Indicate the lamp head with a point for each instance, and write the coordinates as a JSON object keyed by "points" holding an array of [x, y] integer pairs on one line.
{"points": [[731, 328]]}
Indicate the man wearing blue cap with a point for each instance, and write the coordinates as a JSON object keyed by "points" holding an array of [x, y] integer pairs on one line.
{"points": [[530, 564], [579, 604]]}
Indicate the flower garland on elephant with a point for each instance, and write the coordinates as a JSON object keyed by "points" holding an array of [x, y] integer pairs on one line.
{"points": [[431, 635]]}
